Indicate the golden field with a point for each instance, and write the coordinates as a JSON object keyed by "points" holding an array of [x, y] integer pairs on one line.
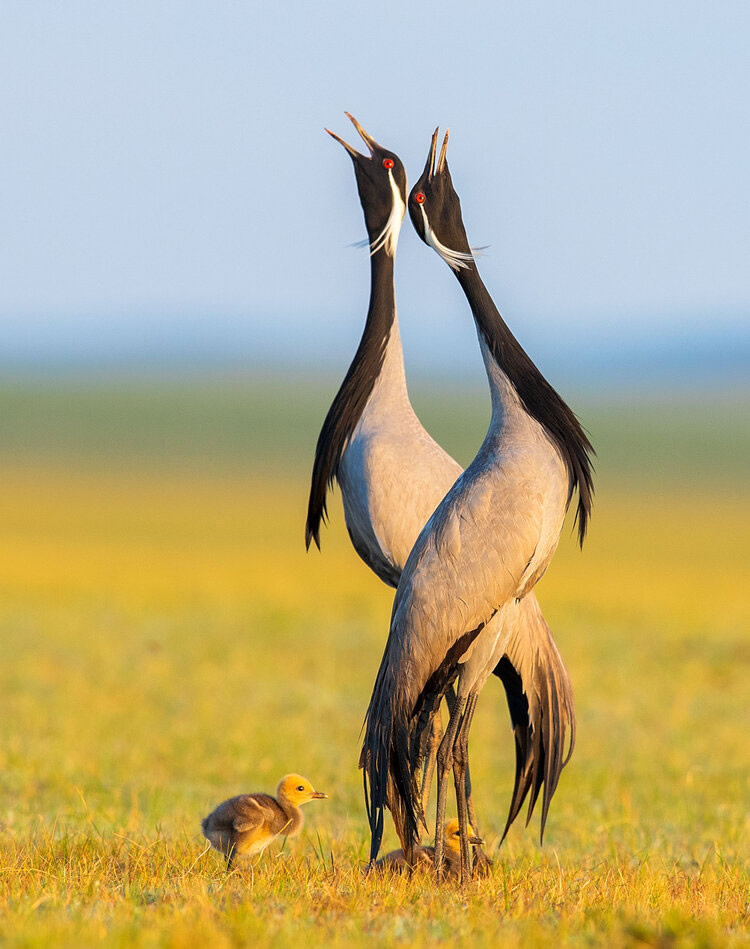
{"points": [[167, 642]]}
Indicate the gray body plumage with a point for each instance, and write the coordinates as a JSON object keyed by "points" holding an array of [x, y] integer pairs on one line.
{"points": [[487, 544], [392, 477], [466, 592], [393, 474], [464, 607]]}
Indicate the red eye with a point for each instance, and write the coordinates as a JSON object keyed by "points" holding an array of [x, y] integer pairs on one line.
{"points": [[387, 163], [419, 197]]}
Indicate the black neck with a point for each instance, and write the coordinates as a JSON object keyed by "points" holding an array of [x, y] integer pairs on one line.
{"points": [[382, 305], [351, 399], [536, 395]]}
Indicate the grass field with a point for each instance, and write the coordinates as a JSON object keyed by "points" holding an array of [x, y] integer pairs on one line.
{"points": [[166, 642]]}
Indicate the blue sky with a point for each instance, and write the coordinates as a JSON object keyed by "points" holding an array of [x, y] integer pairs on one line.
{"points": [[166, 183]]}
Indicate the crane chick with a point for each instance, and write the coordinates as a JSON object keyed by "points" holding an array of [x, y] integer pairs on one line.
{"points": [[425, 856], [246, 824]]}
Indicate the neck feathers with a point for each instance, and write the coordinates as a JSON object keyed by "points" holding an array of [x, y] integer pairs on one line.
{"points": [[355, 391], [293, 817], [536, 395]]}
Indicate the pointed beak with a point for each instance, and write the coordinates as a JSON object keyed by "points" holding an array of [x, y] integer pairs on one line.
{"points": [[476, 841], [430, 163], [318, 795], [352, 151], [366, 138], [441, 160], [431, 168]]}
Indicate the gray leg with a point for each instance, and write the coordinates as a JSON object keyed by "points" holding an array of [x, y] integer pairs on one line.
{"points": [[481, 860], [436, 734], [460, 768], [444, 766]]}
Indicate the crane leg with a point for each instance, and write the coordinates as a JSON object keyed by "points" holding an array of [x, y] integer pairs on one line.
{"points": [[436, 734], [444, 767], [460, 770], [481, 860]]}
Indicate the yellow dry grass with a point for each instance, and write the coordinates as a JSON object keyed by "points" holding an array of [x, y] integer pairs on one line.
{"points": [[166, 642]]}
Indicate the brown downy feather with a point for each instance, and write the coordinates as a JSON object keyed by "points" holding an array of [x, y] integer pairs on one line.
{"points": [[247, 823]]}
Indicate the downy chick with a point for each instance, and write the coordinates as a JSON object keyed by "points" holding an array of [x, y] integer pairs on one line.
{"points": [[246, 824], [425, 856]]}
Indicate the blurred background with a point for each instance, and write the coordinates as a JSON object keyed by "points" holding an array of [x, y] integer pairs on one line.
{"points": [[179, 304], [170, 198]]}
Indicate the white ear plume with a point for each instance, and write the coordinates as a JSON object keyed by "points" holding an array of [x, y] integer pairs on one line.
{"points": [[388, 237], [454, 258]]}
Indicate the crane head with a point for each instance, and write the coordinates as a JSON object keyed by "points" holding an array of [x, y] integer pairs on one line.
{"points": [[382, 186], [435, 210]]}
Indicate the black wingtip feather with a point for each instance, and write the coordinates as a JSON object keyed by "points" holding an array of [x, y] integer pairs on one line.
{"points": [[394, 744], [541, 709], [354, 392], [312, 527]]}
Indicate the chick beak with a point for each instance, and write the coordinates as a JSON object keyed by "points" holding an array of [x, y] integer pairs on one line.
{"points": [[318, 795], [476, 841]]}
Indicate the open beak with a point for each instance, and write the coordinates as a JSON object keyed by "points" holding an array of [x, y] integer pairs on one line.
{"points": [[366, 138], [430, 163], [318, 795], [430, 169], [443, 150]]}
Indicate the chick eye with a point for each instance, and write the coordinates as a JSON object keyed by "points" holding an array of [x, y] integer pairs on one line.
{"points": [[387, 163], [419, 197], [301, 787]]}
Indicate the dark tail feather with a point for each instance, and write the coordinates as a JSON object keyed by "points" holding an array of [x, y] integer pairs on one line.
{"points": [[390, 774], [540, 700], [397, 730]]}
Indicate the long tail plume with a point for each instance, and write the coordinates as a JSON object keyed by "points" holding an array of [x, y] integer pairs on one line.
{"points": [[389, 769], [540, 700]]}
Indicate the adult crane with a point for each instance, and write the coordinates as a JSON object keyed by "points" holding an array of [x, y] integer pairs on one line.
{"points": [[465, 594], [392, 476]]}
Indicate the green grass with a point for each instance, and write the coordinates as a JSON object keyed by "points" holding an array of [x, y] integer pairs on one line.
{"points": [[165, 642]]}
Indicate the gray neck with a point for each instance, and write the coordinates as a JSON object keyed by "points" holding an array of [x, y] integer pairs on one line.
{"points": [[507, 410], [390, 388]]}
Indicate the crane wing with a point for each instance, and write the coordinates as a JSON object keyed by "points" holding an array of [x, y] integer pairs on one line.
{"points": [[471, 559], [468, 562]]}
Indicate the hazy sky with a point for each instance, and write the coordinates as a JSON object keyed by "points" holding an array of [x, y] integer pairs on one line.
{"points": [[165, 179]]}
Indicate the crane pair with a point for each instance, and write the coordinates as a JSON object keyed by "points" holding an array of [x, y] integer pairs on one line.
{"points": [[463, 548]]}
